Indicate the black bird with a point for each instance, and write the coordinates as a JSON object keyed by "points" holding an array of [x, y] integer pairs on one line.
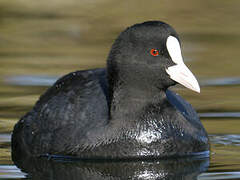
{"points": [[122, 112]]}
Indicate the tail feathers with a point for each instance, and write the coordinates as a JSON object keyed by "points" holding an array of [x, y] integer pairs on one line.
{"points": [[18, 144]]}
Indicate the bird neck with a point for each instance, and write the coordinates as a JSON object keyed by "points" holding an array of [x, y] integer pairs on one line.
{"points": [[128, 101]]}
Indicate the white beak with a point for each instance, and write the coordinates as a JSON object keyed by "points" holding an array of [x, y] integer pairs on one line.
{"points": [[180, 72]]}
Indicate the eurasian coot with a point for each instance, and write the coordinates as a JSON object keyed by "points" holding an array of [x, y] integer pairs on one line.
{"points": [[122, 112]]}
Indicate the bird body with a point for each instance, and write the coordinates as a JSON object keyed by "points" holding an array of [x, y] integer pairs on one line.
{"points": [[123, 111]]}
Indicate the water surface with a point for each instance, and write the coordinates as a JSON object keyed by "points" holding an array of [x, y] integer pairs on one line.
{"points": [[41, 41]]}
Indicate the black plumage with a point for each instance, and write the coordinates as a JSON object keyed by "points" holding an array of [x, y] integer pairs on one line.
{"points": [[124, 111]]}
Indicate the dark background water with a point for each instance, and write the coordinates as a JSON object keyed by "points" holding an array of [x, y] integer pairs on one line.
{"points": [[43, 40]]}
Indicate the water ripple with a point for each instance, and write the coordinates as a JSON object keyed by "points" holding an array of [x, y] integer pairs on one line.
{"points": [[219, 175], [221, 81], [220, 115], [31, 80], [11, 172], [38, 80], [5, 138], [228, 139]]}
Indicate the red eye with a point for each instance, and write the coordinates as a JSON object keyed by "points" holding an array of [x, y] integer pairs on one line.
{"points": [[154, 52]]}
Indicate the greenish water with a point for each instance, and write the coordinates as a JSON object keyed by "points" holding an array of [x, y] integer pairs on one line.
{"points": [[43, 40]]}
